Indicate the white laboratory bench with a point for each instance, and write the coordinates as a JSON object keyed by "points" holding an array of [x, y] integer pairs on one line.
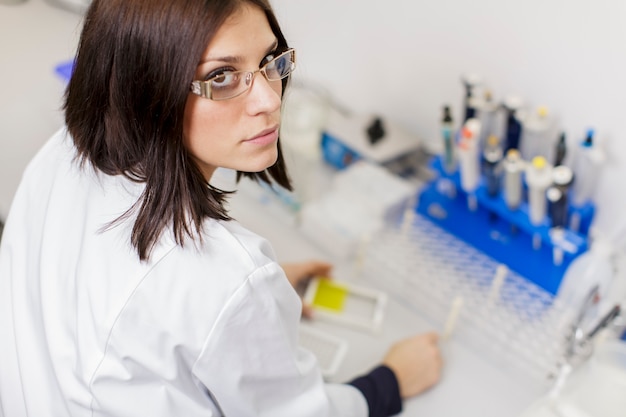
{"points": [[36, 36], [471, 385]]}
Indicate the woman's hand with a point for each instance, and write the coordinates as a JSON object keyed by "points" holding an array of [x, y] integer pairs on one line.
{"points": [[299, 275], [417, 363]]}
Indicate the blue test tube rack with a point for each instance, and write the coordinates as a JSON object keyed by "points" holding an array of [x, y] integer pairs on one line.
{"points": [[503, 234]]}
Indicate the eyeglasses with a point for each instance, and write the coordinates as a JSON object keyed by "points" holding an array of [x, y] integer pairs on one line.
{"points": [[230, 84]]}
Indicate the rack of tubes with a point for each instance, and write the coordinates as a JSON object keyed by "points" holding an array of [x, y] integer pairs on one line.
{"points": [[504, 318], [539, 252]]}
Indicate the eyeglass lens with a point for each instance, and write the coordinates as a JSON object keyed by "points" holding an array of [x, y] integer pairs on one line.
{"points": [[231, 84]]}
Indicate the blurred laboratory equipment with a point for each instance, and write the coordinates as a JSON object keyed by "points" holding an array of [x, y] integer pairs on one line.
{"points": [[558, 195], [538, 179], [538, 137], [491, 116], [513, 106], [492, 158], [449, 145], [471, 99], [513, 166], [355, 206], [469, 160], [560, 150], [588, 160], [305, 115]]}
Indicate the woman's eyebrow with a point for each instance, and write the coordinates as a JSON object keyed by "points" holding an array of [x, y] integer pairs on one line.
{"points": [[234, 59]]}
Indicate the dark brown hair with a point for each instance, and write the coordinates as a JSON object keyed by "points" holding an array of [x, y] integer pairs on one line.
{"points": [[125, 102]]}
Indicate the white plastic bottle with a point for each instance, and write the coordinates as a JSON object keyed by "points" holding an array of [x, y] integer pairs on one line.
{"points": [[469, 160]]}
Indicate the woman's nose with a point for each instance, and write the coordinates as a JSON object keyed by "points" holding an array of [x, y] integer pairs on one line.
{"points": [[264, 96]]}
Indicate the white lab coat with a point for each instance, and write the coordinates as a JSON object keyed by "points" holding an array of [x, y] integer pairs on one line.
{"points": [[88, 330]]}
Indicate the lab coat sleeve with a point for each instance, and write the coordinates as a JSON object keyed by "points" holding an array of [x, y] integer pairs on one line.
{"points": [[252, 365]]}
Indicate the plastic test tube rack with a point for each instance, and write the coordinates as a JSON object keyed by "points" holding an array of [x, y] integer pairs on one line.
{"points": [[505, 235]]}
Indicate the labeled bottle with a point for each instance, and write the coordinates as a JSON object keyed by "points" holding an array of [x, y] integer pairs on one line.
{"points": [[538, 179], [449, 161], [560, 151], [536, 135], [513, 130], [586, 168], [492, 158], [469, 160], [557, 195], [490, 117], [470, 103], [513, 167]]}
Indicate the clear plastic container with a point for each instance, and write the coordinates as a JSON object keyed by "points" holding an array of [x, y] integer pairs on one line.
{"points": [[598, 387]]}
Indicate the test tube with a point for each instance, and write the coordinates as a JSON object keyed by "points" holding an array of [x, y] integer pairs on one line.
{"points": [[538, 179], [492, 156], [469, 162], [452, 318], [498, 280], [513, 168]]}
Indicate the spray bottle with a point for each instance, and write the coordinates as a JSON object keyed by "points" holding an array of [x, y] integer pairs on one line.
{"points": [[470, 103], [588, 160]]}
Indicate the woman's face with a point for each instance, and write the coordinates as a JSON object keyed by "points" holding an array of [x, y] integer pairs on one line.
{"points": [[240, 133]]}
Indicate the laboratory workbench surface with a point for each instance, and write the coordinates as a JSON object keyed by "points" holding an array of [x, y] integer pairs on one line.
{"points": [[471, 384]]}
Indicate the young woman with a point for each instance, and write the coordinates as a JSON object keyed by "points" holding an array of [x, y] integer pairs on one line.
{"points": [[125, 288]]}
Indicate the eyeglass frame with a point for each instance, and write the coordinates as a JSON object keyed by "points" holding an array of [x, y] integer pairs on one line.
{"points": [[202, 88]]}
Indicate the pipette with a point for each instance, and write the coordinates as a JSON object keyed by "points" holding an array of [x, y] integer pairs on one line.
{"points": [[492, 156], [538, 179], [513, 168]]}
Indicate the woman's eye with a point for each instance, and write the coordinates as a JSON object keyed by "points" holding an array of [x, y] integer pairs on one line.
{"points": [[225, 79]]}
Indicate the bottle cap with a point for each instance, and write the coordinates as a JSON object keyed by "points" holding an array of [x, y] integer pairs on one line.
{"points": [[554, 194], [539, 162], [562, 175], [493, 141], [513, 155]]}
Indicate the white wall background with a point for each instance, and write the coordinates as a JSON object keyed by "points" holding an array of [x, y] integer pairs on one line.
{"points": [[400, 58], [404, 58]]}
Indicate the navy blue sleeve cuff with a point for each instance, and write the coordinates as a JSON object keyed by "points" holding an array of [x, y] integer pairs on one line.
{"points": [[381, 391]]}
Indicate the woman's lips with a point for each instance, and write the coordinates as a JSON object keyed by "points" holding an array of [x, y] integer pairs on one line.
{"points": [[265, 137]]}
